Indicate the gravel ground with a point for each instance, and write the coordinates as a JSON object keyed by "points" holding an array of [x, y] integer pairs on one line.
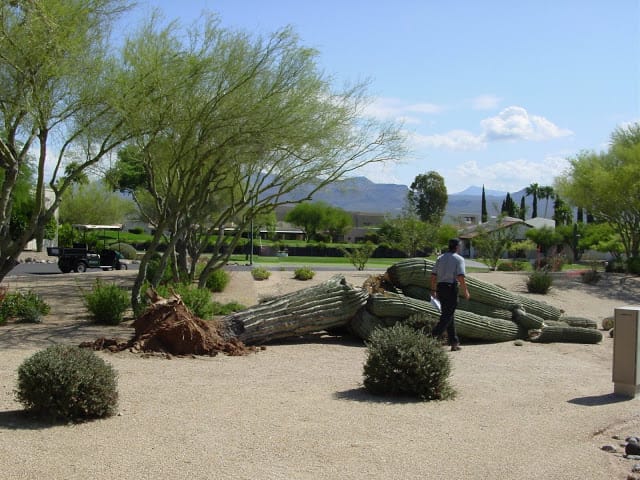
{"points": [[297, 410]]}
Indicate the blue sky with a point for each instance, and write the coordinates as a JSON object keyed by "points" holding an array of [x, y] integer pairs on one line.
{"points": [[494, 93]]}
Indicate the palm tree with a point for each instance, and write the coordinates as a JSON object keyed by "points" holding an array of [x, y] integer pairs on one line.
{"points": [[546, 193], [533, 190]]}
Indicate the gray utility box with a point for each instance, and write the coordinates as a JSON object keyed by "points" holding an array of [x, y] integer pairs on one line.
{"points": [[626, 354]]}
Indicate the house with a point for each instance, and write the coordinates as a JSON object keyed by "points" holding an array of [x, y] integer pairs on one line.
{"points": [[517, 226]]}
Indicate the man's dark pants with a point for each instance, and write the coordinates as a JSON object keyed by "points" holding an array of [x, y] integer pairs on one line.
{"points": [[448, 296]]}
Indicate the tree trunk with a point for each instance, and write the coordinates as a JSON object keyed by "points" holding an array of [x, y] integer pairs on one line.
{"points": [[330, 304]]}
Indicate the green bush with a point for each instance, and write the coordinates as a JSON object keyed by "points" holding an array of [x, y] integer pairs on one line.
{"points": [[539, 282], [26, 307], [633, 265], [590, 276], [227, 308], [197, 300], [303, 273], [67, 383], [218, 280], [402, 361], [107, 303], [512, 265], [260, 273], [615, 266], [136, 230], [128, 251]]}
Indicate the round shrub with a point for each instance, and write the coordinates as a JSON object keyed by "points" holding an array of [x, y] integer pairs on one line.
{"points": [[303, 273], [197, 300], [218, 280], [67, 383], [128, 251], [539, 282], [402, 361], [107, 303], [260, 273], [26, 307]]}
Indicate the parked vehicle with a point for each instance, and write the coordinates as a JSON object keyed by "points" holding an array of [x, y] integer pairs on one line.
{"points": [[79, 258]]}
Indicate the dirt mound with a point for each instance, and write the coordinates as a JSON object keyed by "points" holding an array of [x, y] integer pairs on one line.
{"points": [[168, 326]]}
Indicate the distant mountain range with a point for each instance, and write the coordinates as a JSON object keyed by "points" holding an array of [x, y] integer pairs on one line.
{"points": [[360, 194]]}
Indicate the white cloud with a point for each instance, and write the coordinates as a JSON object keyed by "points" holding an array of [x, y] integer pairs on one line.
{"points": [[515, 123], [396, 109], [512, 175], [453, 140], [485, 102]]}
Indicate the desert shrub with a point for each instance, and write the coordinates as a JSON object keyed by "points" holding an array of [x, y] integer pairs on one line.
{"points": [[303, 273], [553, 263], [615, 266], [512, 265], [402, 361], [218, 280], [227, 308], [154, 266], [360, 254], [260, 273], [633, 265], [197, 300], [128, 251], [67, 383], [539, 282], [590, 276], [26, 307], [107, 303]]}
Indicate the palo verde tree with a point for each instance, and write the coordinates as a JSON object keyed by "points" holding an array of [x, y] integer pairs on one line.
{"points": [[492, 241], [61, 99], [316, 217], [428, 197], [244, 121], [607, 185]]}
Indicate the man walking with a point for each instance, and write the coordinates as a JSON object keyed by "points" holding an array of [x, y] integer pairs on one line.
{"points": [[447, 274]]}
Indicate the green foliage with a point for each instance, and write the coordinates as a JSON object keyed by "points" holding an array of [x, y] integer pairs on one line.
{"points": [[402, 361], [198, 300], [512, 265], [260, 273], [107, 303], [303, 273], [226, 308], [554, 263], [633, 265], [218, 280], [127, 251], [544, 237], [428, 197], [539, 281], [153, 267], [607, 185], [319, 216], [359, 255], [590, 276], [67, 383], [136, 230], [493, 241], [26, 307], [409, 234], [94, 203]]}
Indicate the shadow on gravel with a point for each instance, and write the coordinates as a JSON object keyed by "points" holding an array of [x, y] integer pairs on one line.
{"points": [[21, 420], [597, 400], [361, 395]]}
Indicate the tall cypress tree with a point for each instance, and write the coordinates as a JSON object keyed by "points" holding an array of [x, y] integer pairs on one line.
{"points": [[483, 217], [523, 208]]}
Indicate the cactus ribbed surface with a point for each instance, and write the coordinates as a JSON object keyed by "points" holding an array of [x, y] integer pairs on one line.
{"points": [[364, 323], [479, 308], [330, 304], [417, 271], [527, 320], [579, 322], [556, 333], [468, 325]]}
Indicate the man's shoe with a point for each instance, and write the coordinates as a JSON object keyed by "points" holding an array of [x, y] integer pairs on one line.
{"points": [[455, 348]]}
